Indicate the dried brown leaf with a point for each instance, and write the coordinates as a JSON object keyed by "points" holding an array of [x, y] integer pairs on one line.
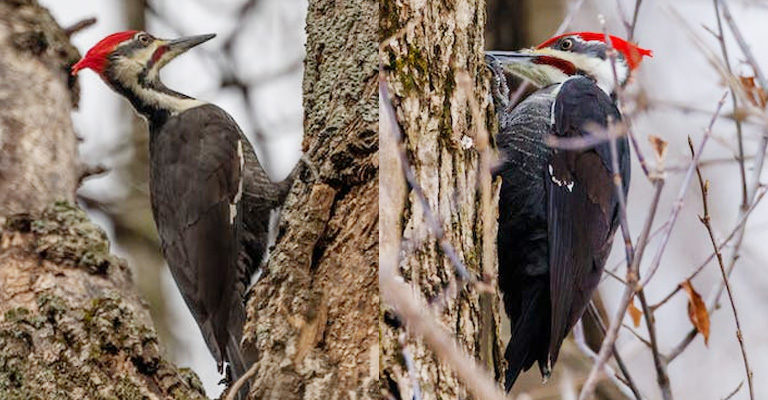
{"points": [[659, 147], [757, 95], [697, 310], [635, 313]]}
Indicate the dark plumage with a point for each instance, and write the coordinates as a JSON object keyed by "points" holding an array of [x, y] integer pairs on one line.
{"points": [[195, 180], [556, 225]]}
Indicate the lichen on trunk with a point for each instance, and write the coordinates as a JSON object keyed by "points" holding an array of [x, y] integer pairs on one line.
{"points": [[426, 48]]}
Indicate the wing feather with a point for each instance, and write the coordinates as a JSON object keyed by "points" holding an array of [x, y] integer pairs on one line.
{"points": [[195, 181], [581, 204]]}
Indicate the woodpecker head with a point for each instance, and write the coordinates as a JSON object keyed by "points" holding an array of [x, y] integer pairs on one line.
{"points": [[130, 62], [579, 53]]}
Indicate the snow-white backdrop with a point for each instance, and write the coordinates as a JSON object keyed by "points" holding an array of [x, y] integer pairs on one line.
{"points": [[267, 54]]}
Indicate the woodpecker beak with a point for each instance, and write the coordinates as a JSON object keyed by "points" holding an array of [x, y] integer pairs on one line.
{"points": [[168, 50], [526, 64], [181, 45]]}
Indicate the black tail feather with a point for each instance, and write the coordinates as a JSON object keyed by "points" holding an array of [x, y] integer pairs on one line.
{"points": [[530, 336]]}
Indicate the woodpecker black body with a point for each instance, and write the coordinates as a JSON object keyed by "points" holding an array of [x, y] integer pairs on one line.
{"points": [[210, 197], [558, 209]]}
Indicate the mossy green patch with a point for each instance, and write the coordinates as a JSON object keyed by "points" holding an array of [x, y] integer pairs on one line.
{"points": [[65, 235]]}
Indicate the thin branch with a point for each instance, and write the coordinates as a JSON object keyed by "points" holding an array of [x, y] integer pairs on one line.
{"points": [[606, 348], [631, 28], [705, 219], [711, 303], [733, 393], [628, 380], [662, 376], [739, 225], [410, 365], [678, 204], [581, 343], [79, 26], [739, 137], [633, 273], [232, 390], [636, 335]]}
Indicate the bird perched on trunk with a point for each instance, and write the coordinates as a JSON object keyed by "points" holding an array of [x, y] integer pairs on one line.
{"points": [[558, 206], [210, 197]]}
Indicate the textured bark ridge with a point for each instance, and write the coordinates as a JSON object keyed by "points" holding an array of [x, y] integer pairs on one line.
{"points": [[71, 325], [427, 45], [312, 316]]}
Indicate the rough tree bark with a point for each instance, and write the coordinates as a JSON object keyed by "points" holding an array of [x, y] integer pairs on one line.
{"points": [[312, 316], [71, 324], [427, 46]]}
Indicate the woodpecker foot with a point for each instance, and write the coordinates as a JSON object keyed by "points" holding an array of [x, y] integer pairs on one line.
{"points": [[499, 88]]}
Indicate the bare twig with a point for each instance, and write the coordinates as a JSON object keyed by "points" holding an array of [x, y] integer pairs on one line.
{"points": [[711, 303], [737, 228], [733, 393], [410, 365], [633, 273], [705, 219], [622, 366], [232, 390], [662, 376], [79, 26], [739, 138], [631, 27], [636, 335], [678, 204], [620, 381]]}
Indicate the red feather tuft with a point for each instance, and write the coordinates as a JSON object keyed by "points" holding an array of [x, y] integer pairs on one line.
{"points": [[632, 53], [96, 57]]}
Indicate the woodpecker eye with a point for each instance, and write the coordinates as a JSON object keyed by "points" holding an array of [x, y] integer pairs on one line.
{"points": [[143, 39], [566, 44]]}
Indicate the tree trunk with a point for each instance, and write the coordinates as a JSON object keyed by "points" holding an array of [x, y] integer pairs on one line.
{"points": [[71, 324], [427, 48], [312, 315]]}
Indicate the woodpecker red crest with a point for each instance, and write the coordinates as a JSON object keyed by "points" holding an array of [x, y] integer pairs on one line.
{"points": [[631, 52], [96, 58]]}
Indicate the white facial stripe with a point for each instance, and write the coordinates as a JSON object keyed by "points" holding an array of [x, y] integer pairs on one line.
{"points": [[127, 71]]}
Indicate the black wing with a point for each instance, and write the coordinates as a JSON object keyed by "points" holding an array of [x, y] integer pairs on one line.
{"points": [[196, 160], [582, 204]]}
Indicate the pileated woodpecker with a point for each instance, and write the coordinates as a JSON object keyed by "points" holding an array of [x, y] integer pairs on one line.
{"points": [[558, 208], [210, 197]]}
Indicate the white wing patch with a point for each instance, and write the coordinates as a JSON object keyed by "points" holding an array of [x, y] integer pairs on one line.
{"points": [[239, 194], [568, 184]]}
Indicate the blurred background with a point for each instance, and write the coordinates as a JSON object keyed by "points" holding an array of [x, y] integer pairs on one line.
{"points": [[253, 69], [678, 90]]}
